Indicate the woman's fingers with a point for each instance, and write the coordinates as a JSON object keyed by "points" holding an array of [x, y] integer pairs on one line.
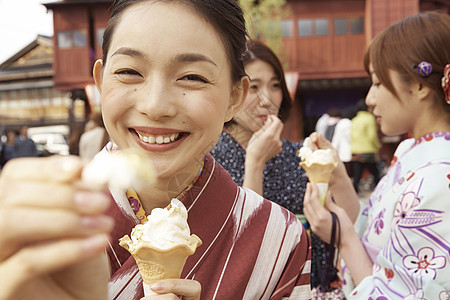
{"points": [[188, 289], [55, 196], [53, 256], [27, 226], [319, 218], [53, 168]]}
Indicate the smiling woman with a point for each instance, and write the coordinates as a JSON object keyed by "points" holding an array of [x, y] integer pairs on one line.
{"points": [[166, 98]]}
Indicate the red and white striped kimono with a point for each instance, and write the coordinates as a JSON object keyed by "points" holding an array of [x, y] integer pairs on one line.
{"points": [[252, 248]]}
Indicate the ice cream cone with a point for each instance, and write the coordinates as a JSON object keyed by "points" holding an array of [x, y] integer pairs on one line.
{"points": [[156, 264], [317, 172], [320, 174]]}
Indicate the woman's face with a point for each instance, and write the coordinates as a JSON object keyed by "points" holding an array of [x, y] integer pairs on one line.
{"points": [[396, 115], [166, 89], [264, 96]]}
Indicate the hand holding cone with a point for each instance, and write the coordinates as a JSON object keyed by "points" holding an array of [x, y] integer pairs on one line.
{"points": [[162, 245], [319, 165]]}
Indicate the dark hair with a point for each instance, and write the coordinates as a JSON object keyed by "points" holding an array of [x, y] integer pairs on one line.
{"points": [[224, 15], [421, 37], [256, 50], [97, 118]]}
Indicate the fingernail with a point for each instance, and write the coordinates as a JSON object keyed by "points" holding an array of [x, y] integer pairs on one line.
{"points": [[157, 287], [94, 244], [87, 201], [68, 163], [103, 223]]}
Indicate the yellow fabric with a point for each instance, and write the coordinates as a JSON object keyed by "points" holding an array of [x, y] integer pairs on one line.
{"points": [[136, 204], [364, 135]]}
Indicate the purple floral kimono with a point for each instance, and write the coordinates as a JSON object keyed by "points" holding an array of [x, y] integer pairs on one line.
{"points": [[406, 227]]}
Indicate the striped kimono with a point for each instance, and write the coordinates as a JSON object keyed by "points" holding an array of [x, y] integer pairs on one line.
{"points": [[252, 248]]}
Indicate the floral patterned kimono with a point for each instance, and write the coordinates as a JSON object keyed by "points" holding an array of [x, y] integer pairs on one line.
{"points": [[406, 227]]}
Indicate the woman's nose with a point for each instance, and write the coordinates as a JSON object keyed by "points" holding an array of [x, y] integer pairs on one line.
{"points": [[156, 101], [371, 97], [264, 99]]}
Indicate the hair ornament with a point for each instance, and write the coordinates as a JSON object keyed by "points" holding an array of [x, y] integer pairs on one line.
{"points": [[445, 81], [424, 69]]}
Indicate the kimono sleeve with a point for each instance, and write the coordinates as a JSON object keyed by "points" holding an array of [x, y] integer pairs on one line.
{"points": [[415, 262], [295, 280]]}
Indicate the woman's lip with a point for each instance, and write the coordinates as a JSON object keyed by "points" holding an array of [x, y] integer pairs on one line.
{"points": [[263, 117], [160, 147], [155, 131]]}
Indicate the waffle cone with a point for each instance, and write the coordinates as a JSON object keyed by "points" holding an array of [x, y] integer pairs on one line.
{"points": [[157, 264], [318, 173]]}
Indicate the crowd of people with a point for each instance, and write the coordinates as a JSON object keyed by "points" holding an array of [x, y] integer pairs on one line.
{"points": [[355, 135], [209, 115], [17, 144]]}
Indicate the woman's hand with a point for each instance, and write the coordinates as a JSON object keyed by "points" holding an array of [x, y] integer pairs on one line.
{"points": [[264, 144], [53, 233], [176, 288], [340, 183], [319, 217], [350, 246]]}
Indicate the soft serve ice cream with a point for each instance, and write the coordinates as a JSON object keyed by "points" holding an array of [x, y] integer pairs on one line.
{"points": [[119, 170], [162, 245], [318, 164]]}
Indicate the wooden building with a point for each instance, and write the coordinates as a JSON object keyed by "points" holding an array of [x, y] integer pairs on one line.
{"points": [[27, 92], [323, 45], [78, 34]]}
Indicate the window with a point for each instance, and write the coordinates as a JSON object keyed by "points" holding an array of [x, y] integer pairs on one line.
{"points": [[304, 27], [357, 25], [287, 28], [321, 27], [64, 39], [69, 39], [340, 26], [100, 32], [79, 38]]}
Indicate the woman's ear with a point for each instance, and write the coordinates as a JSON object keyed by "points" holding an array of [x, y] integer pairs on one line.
{"points": [[420, 90], [98, 74], [237, 98]]}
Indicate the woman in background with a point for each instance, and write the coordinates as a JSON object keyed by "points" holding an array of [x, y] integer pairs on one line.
{"points": [[251, 150]]}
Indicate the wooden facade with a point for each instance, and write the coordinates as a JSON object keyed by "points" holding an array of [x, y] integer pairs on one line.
{"points": [[323, 45], [27, 93], [78, 32]]}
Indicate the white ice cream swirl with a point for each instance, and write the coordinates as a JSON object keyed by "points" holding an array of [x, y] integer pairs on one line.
{"points": [[165, 228], [322, 156]]}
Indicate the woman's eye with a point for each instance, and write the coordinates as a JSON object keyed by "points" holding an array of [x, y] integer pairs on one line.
{"points": [[193, 77], [127, 72], [253, 87], [276, 85], [376, 84]]}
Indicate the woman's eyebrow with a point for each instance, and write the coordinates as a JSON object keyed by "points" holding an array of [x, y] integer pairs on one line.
{"points": [[180, 58], [130, 52], [192, 57]]}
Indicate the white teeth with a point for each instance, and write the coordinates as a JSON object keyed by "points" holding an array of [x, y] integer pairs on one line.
{"points": [[159, 139]]}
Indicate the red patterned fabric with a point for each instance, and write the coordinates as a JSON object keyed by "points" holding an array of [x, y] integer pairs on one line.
{"points": [[252, 248]]}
